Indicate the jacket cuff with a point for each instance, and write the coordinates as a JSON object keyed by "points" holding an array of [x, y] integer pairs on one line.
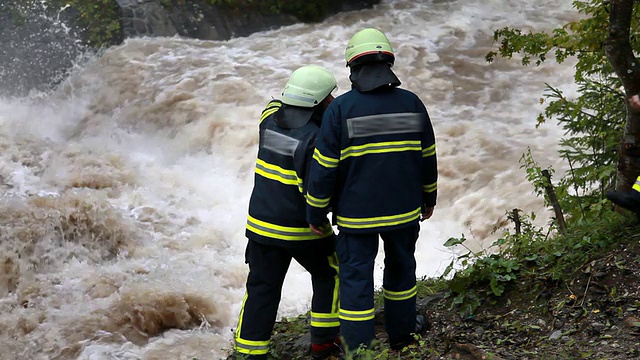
{"points": [[316, 216]]}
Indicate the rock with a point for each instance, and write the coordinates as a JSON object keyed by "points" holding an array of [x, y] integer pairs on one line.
{"points": [[555, 335], [38, 47]]}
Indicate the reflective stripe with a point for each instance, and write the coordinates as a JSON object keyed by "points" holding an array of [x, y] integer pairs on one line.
{"points": [[377, 51], [384, 124], [284, 232], [324, 160], [430, 151], [429, 188], [316, 202], [309, 100], [272, 107], [381, 147], [324, 320], [400, 295], [249, 347], [351, 315], [636, 186], [364, 223], [275, 172], [333, 262], [279, 143], [244, 300]]}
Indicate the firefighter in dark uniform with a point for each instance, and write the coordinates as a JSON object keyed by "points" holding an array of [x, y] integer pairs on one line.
{"points": [[629, 200], [375, 169], [277, 229]]}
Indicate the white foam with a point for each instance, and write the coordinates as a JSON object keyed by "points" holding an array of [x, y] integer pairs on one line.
{"points": [[165, 131]]}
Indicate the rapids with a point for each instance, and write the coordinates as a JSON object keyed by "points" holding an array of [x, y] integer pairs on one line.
{"points": [[124, 191]]}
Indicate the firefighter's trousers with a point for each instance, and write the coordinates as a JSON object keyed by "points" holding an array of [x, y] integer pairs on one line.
{"points": [[268, 265], [356, 254]]}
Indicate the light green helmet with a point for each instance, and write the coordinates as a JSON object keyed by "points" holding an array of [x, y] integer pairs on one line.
{"points": [[308, 86], [368, 45]]}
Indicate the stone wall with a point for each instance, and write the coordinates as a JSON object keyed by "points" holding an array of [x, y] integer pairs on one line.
{"points": [[145, 18], [37, 48], [200, 20], [39, 42]]}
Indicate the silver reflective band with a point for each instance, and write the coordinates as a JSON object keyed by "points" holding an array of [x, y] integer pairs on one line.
{"points": [[278, 143], [385, 124], [310, 100]]}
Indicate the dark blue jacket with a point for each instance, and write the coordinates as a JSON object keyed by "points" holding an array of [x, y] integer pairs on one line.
{"points": [[277, 204], [375, 162]]}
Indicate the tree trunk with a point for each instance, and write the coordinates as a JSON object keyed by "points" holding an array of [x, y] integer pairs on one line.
{"points": [[620, 56]]}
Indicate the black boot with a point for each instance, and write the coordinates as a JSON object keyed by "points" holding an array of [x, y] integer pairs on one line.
{"points": [[399, 343]]}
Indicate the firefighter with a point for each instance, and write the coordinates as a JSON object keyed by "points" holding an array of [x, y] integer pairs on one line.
{"points": [[277, 230], [374, 168], [629, 200]]}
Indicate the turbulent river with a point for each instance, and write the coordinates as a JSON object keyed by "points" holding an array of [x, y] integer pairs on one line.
{"points": [[124, 191]]}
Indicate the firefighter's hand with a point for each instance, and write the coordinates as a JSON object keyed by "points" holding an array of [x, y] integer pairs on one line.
{"points": [[316, 229], [427, 213], [634, 101]]}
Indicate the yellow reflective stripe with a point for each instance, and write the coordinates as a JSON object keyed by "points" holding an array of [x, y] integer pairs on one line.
{"points": [[272, 107], [364, 223], [325, 161], [248, 347], [351, 315], [324, 320], [333, 262], [251, 347], [429, 188], [381, 147], [274, 172], [400, 295], [636, 186], [244, 300], [430, 151], [284, 232], [316, 202]]}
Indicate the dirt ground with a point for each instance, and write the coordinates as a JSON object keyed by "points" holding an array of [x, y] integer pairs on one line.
{"points": [[595, 315]]}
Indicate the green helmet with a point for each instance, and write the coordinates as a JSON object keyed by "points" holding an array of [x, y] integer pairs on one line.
{"points": [[308, 86], [369, 45]]}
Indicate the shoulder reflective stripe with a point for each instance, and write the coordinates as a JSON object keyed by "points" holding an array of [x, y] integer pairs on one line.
{"points": [[316, 202], [324, 320], [266, 114], [274, 172], [364, 223], [430, 187], [384, 124], [351, 315], [430, 151], [400, 295], [381, 147], [325, 160], [284, 232], [279, 143], [636, 186], [272, 107]]}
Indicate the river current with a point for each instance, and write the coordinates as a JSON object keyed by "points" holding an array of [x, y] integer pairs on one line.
{"points": [[124, 191]]}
